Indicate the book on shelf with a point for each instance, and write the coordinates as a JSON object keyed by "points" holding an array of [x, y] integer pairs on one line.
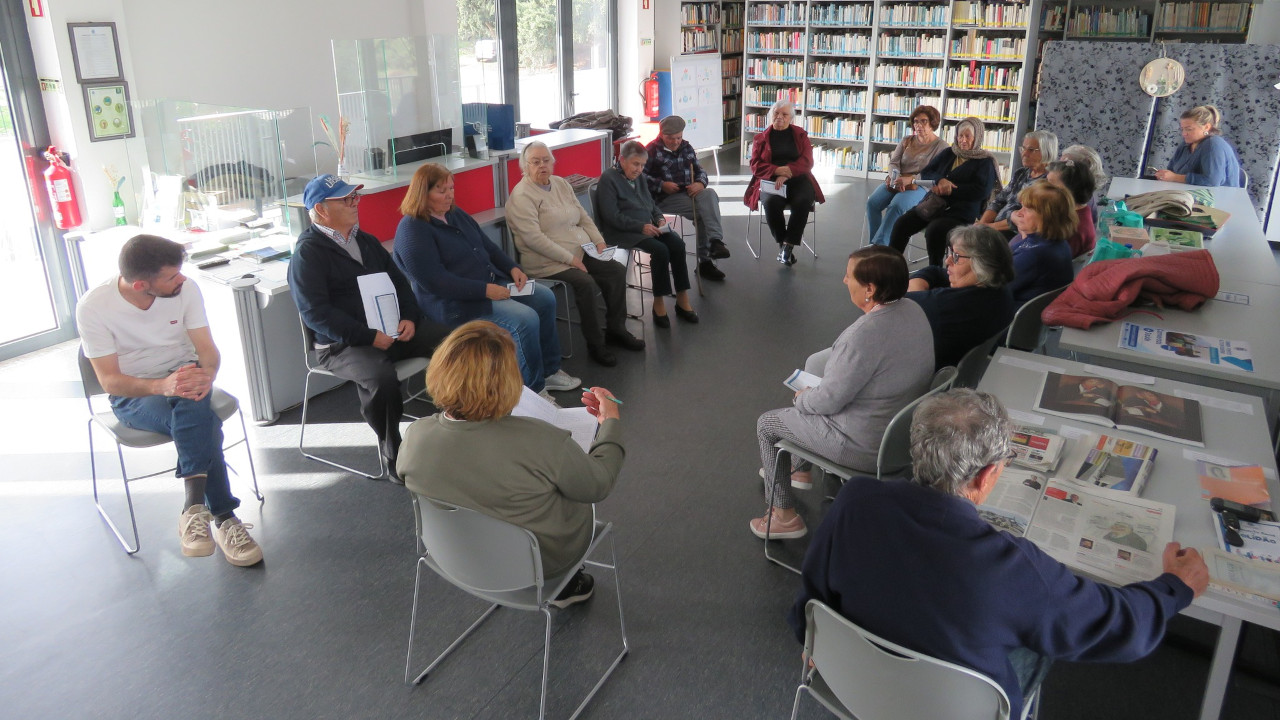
{"points": [[1118, 464], [1125, 407], [1245, 484], [1116, 537]]}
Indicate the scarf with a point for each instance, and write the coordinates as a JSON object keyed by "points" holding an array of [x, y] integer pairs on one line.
{"points": [[976, 152]]}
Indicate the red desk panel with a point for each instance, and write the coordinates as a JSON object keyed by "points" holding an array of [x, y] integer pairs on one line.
{"points": [[580, 159], [380, 210]]}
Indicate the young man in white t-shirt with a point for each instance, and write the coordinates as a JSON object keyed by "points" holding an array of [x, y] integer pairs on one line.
{"points": [[146, 334]]}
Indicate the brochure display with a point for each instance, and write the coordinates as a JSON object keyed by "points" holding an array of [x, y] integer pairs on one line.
{"points": [[1194, 348]]}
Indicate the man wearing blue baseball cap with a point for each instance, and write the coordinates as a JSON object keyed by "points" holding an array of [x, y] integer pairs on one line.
{"points": [[328, 260]]}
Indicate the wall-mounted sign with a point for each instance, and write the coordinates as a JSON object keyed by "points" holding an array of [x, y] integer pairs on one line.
{"points": [[96, 51], [107, 107]]}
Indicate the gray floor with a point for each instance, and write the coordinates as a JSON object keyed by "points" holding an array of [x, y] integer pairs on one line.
{"points": [[319, 630]]}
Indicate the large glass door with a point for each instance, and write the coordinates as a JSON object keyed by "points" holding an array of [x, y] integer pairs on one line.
{"points": [[35, 285], [538, 50], [593, 53]]}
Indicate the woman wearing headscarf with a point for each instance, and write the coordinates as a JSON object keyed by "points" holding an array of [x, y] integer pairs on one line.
{"points": [[962, 178]]}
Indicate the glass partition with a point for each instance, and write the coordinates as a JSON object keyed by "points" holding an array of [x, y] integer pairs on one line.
{"points": [[202, 167], [395, 96]]}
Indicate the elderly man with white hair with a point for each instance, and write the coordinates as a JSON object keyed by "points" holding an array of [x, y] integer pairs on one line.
{"points": [[912, 562], [550, 228]]}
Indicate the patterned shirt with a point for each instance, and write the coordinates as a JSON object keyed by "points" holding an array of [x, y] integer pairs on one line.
{"points": [[666, 166], [346, 243]]}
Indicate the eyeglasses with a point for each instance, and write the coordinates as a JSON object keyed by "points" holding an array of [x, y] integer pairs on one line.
{"points": [[349, 200], [1026, 149], [920, 121], [956, 257], [1009, 456]]}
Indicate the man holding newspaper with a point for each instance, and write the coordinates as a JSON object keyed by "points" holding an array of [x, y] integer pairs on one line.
{"points": [[334, 264], [915, 563]]}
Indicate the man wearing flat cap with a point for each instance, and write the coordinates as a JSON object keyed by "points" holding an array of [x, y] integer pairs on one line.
{"points": [[330, 257], [679, 184]]}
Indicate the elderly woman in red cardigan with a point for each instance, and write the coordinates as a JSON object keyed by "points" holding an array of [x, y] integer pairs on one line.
{"points": [[781, 161]]}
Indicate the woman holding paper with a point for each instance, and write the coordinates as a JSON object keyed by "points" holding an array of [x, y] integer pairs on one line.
{"points": [[458, 274], [476, 454], [781, 161], [550, 228], [899, 193], [631, 220], [878, 365]]}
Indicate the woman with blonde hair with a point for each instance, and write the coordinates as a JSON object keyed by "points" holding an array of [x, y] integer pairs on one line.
{"points": [[475, 454], [1041, 254], [1205, 158]]}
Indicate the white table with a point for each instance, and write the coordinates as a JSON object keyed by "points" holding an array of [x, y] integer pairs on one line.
{"points": [[1240, 248], [1230, 434], [1255, 324]]}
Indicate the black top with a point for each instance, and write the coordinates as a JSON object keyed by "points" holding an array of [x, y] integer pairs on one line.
{"points": [[974, 180], [961, 318], [783, 147]]}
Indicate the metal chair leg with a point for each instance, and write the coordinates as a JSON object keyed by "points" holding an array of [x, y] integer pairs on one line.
{"points": [[783, 455], [97, 501], [302, 434]]}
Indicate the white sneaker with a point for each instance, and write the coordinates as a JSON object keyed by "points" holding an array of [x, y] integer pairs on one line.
{"points": [[237, 546], [547, 396], [561, 381], [193, 529]]}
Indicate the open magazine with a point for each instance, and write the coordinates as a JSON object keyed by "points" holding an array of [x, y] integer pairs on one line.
{"points": [[580, 424], [1115, 537], [1098, 400]]}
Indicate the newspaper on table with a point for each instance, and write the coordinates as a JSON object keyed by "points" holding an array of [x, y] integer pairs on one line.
{"points": [[1259, 540], [1252, 580], [1112, 536], [381, 306], [1192, 348], [1036, 448], [580, 423]]}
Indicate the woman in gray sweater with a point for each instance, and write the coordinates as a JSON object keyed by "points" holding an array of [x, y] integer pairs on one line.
{"points": [[877, 366], [474, 453]]}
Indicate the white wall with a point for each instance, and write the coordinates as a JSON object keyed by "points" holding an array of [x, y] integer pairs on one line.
{"points": [[666, 30], [257, 53], [635, 55], [1264, 26]]}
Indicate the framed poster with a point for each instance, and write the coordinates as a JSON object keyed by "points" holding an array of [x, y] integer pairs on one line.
{"points": [[95, 51], [107, 107]]}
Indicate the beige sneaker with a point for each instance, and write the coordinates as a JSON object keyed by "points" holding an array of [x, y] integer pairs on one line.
{"points": [[193, 529], [237, 546]]}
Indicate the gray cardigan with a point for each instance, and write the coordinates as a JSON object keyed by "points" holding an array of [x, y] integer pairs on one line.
{"points": [[878, 365], [520, 470], [624, 208]]}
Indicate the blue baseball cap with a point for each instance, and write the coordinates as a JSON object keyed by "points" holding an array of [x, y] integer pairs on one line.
{"points": [[325, 187]]}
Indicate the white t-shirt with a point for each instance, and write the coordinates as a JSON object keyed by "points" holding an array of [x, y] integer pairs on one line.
{"points": [[150, 343]]}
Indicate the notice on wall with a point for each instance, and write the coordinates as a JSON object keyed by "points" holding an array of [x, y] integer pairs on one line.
{"points": [[696, 97]]}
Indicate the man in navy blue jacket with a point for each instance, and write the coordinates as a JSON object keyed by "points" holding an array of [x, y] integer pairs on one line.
{"points": [[327, 261], [912, 562]]}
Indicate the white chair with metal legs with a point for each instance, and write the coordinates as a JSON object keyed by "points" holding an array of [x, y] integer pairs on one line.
{"points": [[894, 455], [857, 675], [499, 563], [224, 406], [405, 369], [756, 215]]}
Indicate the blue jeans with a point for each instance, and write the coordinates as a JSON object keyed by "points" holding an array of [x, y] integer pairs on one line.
{"points": [[892, 205], [531, 320], [197, 435]]}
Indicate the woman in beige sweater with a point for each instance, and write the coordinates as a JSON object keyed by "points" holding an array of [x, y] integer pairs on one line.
{"points": [[550, 228]]}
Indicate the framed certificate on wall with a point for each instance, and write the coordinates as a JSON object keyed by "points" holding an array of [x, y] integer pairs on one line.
{"points": [[107, 106], [96, 51]]}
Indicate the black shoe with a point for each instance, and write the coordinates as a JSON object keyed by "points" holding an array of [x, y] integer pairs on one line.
{"points": [[662, 321], [602, 355], [392, 475], [624, 340], [578, 590], [708, 270], [688, 316], [786, 254], [718, 250]]}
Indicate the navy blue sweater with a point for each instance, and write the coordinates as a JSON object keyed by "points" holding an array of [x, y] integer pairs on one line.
{"points": [[961, 318], [922, 569], [322, 279], [974, 180], [1039, 265], [449, 265]]}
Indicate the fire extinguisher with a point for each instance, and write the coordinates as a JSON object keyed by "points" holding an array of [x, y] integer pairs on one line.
{"points": [[60, 184], [650, 92]]}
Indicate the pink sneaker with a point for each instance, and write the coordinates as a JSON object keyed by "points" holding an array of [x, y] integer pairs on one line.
{"points": [[780, 529]]}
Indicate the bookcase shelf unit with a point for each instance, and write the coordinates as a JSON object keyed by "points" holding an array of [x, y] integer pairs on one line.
{"points": [[854, 69], [715, 26]]}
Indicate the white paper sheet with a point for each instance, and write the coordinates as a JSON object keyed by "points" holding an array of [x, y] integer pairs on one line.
{"points": [[381, 306]]}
